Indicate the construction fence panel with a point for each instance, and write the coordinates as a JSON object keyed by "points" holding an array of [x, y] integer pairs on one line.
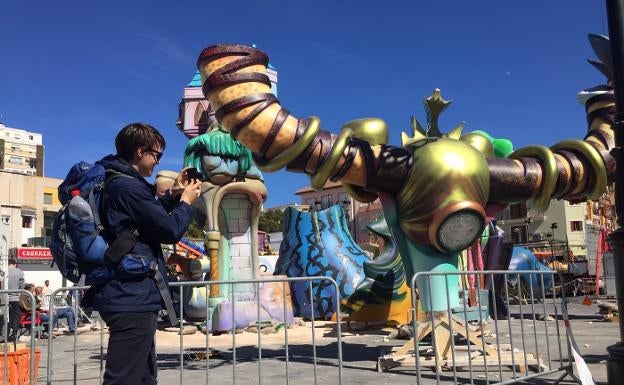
{"points": [[275, 355], [490, 327], [84, 368], [12, 357], [190, 361]]}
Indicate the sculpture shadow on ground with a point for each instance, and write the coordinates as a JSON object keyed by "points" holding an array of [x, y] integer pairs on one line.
{"points": [[327, 356]]}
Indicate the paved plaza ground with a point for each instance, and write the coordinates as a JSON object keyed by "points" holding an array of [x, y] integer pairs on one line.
{"points": [[361, 350]]}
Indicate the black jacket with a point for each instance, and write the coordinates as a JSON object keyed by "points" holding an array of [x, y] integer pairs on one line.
{"points": [[131, 203]]}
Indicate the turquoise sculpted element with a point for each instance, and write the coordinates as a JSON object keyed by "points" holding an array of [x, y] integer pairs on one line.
{"points": [[215, 154]]}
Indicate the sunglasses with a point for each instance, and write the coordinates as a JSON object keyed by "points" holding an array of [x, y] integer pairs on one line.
{"points": [[157, 154]]}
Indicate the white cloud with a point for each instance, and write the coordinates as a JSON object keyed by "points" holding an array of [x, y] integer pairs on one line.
{"points": [[167, 46]]}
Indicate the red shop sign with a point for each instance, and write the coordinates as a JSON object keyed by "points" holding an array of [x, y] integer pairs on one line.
{"points": [[33, 253]]}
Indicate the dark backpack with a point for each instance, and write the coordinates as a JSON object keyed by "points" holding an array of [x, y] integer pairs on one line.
{"points": [[78, 248]]}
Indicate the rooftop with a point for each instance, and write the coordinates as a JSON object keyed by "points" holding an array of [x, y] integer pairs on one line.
{"points": [[328, 185]]}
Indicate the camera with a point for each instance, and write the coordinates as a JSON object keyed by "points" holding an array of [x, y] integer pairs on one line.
{"points": [[192, 173]]}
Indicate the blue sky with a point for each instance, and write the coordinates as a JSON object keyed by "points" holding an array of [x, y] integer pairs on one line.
{"points": [[77, 71]]}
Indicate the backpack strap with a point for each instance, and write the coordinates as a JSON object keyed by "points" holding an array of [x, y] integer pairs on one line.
{"points": [[163, 288], [124, 241], [95, 211], [122, 245], [110, 175]]}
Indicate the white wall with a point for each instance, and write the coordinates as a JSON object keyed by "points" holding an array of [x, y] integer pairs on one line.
{"points": [[38, 273]]}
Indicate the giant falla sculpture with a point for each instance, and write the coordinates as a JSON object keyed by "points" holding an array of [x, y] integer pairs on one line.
{"points": [[436, 189], [227, 210]]}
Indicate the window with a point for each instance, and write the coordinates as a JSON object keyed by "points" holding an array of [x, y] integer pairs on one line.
{"points": [[519, 234], [325, 201], [200, 115], [48, 220], [518, 210], [47, 198], [27, 221], [576, 226], [16, 160]]}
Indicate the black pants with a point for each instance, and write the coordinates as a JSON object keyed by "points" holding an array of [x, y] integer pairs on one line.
{"points": [[131, 356], [15, 314]]}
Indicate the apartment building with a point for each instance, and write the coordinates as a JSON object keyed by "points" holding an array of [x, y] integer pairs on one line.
{"points": [[28, 205], [21, 151], [562, 223]]}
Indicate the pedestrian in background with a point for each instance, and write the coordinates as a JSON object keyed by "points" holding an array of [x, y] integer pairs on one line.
{"points": [[47, 290], [16, 282]]}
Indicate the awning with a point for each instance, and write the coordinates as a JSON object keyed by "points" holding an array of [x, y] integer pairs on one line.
{"points": [[29, 212]]}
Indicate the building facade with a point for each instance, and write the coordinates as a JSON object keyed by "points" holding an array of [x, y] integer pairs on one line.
{"points": [[194, 112], [359, 214], [27, 207], [28, 203], [21, 152], [563, 223]]}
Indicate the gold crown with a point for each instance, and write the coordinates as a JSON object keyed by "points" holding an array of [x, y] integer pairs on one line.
{"points": [[434, 106]]}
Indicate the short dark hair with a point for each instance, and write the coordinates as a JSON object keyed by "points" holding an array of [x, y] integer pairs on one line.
{"points": [[12, 261], [137, 135]]}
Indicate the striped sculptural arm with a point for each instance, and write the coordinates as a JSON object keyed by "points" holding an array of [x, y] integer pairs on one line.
{"points": [[235, 82], [433, 179], [573, 169]]}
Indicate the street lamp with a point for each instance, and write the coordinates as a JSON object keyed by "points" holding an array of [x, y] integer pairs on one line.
{"points": [[347, 207], [550, 237], [346, 204], [527, 223], [553, 227]]}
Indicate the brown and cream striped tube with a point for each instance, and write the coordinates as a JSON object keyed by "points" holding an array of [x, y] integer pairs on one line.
{"points": [[237, 87], [235, 83], [582, 168]]}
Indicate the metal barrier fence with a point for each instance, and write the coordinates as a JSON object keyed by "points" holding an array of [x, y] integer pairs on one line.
{"points": [[59, 301], [458, 336], [5, 330], [180, 288], [257, 283]]}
